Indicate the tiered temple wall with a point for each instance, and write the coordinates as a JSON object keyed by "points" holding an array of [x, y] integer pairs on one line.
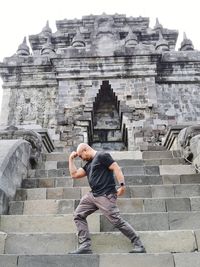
{"points": [[56, 86]]}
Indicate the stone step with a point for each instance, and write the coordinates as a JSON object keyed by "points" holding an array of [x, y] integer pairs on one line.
{"points": [[104, 260], [45, 223], [157, 221], [148, 221], [160, 154], [137, 191], [48, 243], [48, 165], [63, 172], [121, 155], [129, 180], [125, 205], [127, 170]]}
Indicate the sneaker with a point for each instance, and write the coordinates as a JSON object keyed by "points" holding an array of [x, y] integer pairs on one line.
{"points": [[138, 247], [82, 250]]}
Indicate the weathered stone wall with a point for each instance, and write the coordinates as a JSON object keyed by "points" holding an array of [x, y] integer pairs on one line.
{"points": [[178, 103], [14, 163], [57, 86]]}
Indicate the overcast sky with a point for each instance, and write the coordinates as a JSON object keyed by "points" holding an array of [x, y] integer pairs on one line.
{"points": [[21, 18]]}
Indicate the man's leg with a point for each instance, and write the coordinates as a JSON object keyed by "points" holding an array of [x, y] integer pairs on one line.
{"points": [[85, 208], [107, 205]]}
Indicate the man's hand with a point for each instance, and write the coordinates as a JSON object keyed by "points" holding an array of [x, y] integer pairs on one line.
{"points": [[121, 191], [73, 155]]}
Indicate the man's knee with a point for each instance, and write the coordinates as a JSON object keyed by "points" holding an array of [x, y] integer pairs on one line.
{"points": [[117, 221], [78, 216]]}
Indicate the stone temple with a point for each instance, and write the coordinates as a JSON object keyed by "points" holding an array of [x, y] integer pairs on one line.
{"points": [[119, 85]]}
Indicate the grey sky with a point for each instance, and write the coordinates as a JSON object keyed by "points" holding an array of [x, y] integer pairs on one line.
{"points": [[21, 18]]}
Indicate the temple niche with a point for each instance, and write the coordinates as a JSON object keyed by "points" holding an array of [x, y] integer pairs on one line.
{"points": [[108, 80]]}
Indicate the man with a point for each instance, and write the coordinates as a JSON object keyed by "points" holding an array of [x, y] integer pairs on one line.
{"points": [[100, 170]]}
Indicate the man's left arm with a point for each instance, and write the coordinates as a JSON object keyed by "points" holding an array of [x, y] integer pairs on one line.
{"points": [[119, 176]]}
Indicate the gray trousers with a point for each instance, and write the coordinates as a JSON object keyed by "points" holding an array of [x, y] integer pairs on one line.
{"points": [[107, 205]]}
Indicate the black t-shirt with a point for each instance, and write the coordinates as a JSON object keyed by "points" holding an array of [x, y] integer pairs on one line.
{"points": [[100, 178]]}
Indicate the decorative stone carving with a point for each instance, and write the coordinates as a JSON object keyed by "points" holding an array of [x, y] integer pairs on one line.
{"points": [[32, 137], [162, 44], [186, 44], [131, 39], [46, 31], [78, 40], [23, 49], [158, 26], [48, 48], [184, 139], [60, 90]]}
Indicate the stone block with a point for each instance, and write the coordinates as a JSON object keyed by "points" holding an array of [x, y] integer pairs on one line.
{"points": [[178, 204], [130, 162], [62, 172], [65, 206], [45, 223], [56, 156], [190, 179], [46, 183], [80, 182], [172, 161], [176, 169], [154, 205], [156, 154], [186, 190], [110, 243], [162, 191], [140, 221], [143, 180], [40, 207], [52, 173], [63, 182], [40, 243], [72, 193], [41, 173], [55, 193], [135, 260], [130, 205], [187, 259], [59, 261], [150, 162], [21, 194], [3, 237], [133, 170], [36, 193], [184, 220], [171, 179], [62, 164], [121, 155], [30, 183], [169, 241], [16, 207], [50, 165], [151, 170], [195, 203], [140, 191], [8, 260]]}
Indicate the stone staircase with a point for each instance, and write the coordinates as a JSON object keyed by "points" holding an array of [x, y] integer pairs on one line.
{"points": [[162, 202]]}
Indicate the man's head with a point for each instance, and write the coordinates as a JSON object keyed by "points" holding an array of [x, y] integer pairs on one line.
{"points": [[85, 152]]}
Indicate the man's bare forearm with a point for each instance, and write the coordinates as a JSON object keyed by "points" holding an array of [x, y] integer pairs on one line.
{"points": [[72, 167]]}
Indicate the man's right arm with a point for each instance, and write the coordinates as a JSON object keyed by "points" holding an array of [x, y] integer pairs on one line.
{"points": [[74, 172]]}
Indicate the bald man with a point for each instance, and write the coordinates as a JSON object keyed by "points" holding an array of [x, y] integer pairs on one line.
{"points": [[100, 170]]}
